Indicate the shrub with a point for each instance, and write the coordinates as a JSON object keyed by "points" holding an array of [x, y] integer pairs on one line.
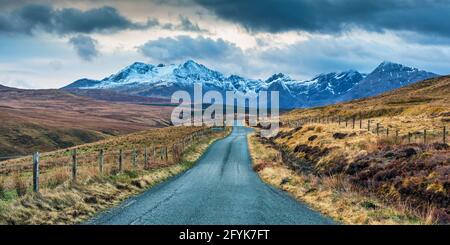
{"points": [[319, 129], [57, 178], [2, 188], [20, 185]]}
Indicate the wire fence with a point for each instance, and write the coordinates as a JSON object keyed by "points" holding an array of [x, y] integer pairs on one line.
{"points": [[31, 173], [398, 134]]}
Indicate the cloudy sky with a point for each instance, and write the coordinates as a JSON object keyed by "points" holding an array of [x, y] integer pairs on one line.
{"points": [[48, 44]]}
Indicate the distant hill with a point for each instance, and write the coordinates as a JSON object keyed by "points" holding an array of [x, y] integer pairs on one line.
{"points": [[161, 81], [111, 95], [43, 120]]}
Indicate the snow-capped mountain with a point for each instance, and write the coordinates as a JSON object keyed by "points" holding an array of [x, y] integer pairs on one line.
{"points": [[387, 76], [161, 81], [325, 88]]}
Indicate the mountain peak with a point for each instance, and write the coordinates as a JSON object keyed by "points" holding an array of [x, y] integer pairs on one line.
{"points": [[277, 76], [139, 65], [388, 65], [191, 63], [194, 67]]}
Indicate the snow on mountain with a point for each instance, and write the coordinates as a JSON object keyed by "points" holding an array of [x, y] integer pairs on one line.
{"points": [[387, 76], [162, 80]]}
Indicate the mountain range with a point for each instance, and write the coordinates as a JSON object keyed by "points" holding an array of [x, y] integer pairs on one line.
{"points": [[160, 81]]}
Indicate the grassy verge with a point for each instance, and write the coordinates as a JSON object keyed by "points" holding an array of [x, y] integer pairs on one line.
{"points": [[332, 195], [71, 204]]}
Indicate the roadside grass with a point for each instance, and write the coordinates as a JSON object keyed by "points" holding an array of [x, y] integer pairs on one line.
{"points": [[331, 195], [55, 166], [398, 168], [400, 173], [66, 203]]}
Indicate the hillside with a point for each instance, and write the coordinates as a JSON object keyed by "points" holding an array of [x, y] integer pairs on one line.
{"points": [[110, 95], [390, 146], [44, 120]]}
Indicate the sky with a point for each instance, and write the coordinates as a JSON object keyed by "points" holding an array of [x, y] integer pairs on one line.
{"points": [[49, 44]]}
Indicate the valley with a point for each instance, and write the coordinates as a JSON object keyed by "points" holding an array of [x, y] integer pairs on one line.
{"points": [[44, 120]]}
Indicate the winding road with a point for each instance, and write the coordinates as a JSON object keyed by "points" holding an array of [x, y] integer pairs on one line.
{"points": [[221, 188]]}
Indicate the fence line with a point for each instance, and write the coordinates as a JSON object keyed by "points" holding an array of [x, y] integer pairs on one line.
{"points": [[379, 130], [78, 164]]}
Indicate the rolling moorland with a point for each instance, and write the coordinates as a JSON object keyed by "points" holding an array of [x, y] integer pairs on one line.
{"points": [[147, 158], [371, 154], [393, 169], [45, 120]]}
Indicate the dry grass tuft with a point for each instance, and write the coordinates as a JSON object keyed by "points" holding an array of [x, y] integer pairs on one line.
{"points": [[2, 188], [20, 185]]}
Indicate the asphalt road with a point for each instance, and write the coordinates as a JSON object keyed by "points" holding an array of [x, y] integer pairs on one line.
{"points": [[221, 188]]}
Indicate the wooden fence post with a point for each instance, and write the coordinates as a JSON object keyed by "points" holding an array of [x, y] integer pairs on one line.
{"points": [[120, 160], [145, 158], [134, 156], [74, 165], [346, 122], [360, 121], [409, 137], [378, 128], [353, 119], [387, 132], [166, 153], [425, 136], [368, 125], [396, 135], [100, 160], [444, 131], [339, 120], [36, 172]]}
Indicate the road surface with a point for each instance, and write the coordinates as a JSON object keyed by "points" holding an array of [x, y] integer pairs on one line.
{"points": [[221, 188]]}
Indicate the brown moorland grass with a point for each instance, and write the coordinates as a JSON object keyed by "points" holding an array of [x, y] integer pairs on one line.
{"points": [[68, 203], [390, 167], [332, 195], [45, 120], [56, 165]]}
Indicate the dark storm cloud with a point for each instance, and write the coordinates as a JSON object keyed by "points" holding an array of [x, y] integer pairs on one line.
{"points": [[34, 17], [185, 47], [187, 25], [85, 46], [335, 16]]}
